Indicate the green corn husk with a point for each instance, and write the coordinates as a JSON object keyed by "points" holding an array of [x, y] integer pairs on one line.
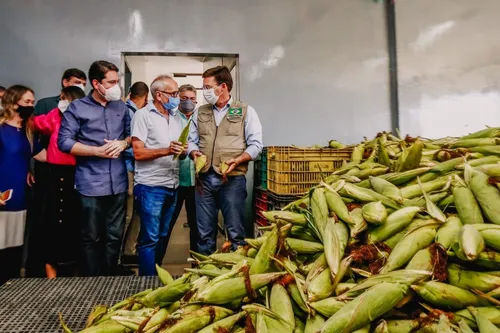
{"points": [[337, 206], [492, 313], [319, 209], [335, 242], [165, 295], [480, 161], [183, 138], [414, 241], [406, 326], [470, 242], [230, 258], [298, 246], [199, 319], [400, 178], [492, 170], [432, 209], [263, 262], [367, 307], [344, 287], [448, 233], [483, 323], [490, 132], [447, 166], [281, 304], [486, 150], [487, 196], [414, 157], [447, 296], [297, 296], [403, 276], [366, 195], [109, 326], [290, 217], [449, 201], [471, 143], [358, 224], [234, 288], [387, 189], [335, 144], [299, 326], [357, 154], [303, 233], [466, 279], [226, 323], [314, 324], [490, 234], [464, 327], [374, 213], [422, 260], [394, 240], [328, 306], [395, 223], [413, 191], [316, 267], [383, 155], [97, 313], [321, 286], [465, 202]]}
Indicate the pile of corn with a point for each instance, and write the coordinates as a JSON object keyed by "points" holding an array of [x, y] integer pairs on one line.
{"points": [[403, 238]]}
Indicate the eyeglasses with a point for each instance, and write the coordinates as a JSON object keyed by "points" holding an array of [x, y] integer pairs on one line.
{"points": [[173, 94]]}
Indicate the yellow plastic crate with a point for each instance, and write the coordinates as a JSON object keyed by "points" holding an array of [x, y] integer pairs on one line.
{"points": [[293, 171]]}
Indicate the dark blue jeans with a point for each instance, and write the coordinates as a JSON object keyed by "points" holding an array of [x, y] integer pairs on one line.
{"points": [[155, 205], [103, 219], [228, 197]]}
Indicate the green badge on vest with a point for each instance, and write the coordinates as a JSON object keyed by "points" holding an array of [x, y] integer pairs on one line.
{"points": [[237, 112]]}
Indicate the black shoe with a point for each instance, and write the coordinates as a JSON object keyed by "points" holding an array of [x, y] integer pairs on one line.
{"points": [[124, 271], [129, 260]]}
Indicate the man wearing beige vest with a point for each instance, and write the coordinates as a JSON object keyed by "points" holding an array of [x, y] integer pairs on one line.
{"points": [[225, 131]]}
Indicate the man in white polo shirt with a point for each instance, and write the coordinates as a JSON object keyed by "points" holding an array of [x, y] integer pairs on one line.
{"points": [[155, 131]]}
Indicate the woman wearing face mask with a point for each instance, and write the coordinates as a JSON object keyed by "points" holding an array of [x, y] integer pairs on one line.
{"points": [[60, 230], [16, 149]]}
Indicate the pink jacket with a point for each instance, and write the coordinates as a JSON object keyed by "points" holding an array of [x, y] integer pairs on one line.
{"points": [[49, 124]]}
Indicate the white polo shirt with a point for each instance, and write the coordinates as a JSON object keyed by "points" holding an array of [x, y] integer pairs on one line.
{"points": [[152, 128]]}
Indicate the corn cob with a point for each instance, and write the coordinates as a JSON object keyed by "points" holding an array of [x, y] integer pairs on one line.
{"points": [[319, 209], [97, 313], [490, 234], [412, 242], [464, 327], [303, 234], [358, 224], [492, 313], [471, 242], [366, 195], [344, 287], [447, 202], [198, 319], [165, 295], [226, 323], [487, 196], [316, 267], [363, 309], [374, 213], [422, 260], [296, 245], [400, 178], [400, 276], [383, 155], [395, 222], [448, 233], [421, 202], [465, 202], [336, 205], [299, 326], [157, 319], [492, 170], [432, 209], [386, 188], [235, 288], [447, 296], [260, 324], [414, 156], [321, 286], [290, 217], [297, 295], [490, 132], [357, 154], [314, 323], [109, 326], [465, 279], [412, 191], [335, 241], [483, 323], [479, 161], [262, 262], [200, 163], [281, 304], [183, 138], [328, 306], [223, 168], [164, 276]]}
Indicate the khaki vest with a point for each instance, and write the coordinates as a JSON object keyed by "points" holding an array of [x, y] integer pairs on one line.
{"points": [[225, 142]]}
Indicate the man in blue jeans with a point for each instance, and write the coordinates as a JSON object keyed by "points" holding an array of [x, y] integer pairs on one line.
{"points": [[96, 129], [155, 131], [225, 131]]}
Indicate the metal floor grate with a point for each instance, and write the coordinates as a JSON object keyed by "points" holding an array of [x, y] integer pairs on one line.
{"points": [[32, 305]]}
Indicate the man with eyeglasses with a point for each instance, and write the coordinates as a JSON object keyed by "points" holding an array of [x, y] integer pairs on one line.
{"points": [[225, 131], [155, 131]]}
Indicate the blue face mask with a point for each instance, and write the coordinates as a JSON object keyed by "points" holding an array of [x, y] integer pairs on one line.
{"points": [[173, 102]]}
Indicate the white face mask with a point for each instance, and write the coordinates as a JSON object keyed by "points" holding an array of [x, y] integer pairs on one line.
{"points": [[210, 96], [113, 94], [79, 85], [63, 105]]}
